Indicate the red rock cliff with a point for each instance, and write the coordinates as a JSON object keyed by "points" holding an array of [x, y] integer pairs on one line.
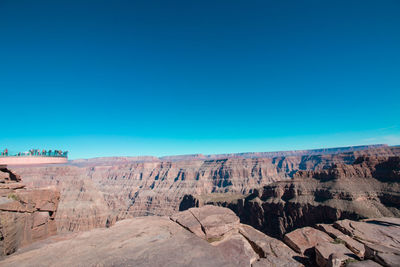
{"points": [[26, 215]]}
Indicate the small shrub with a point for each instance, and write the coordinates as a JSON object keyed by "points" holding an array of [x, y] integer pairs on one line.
{"points": [[338, 241], [349, 260], [13, 196]]}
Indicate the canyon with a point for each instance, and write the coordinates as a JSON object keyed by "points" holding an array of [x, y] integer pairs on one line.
{"points": [[99, 192], [368, 188], [269, 196], [214, 236]]}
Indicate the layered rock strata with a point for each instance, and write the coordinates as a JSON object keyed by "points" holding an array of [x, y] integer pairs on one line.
{"points": [[366, 189], [26, 215], [98, 192]]}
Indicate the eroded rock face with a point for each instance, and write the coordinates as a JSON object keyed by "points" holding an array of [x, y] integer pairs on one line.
{"points": [[159, 241], [98, 196], [177, 241], [239, 243], [98, 192], [26, 215], [366, 189]]}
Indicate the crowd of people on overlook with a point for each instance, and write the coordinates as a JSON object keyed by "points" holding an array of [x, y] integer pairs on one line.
{"points": [[37, 152]]}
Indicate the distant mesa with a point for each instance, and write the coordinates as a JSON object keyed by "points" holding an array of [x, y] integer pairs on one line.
{"points": [[106, 161], [33, 156]]}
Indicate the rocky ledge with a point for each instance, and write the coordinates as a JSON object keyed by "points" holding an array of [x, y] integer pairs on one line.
{"points": [[26, 215], [207, 236], [372, 242], [214, 236]]}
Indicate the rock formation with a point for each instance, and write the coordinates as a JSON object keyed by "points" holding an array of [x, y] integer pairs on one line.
{"points": [[98, 192], [210, 236], [372, 242], [366, 189], [26, 215], [240, 244], [276, 154], [213, 236], [247, 155]]}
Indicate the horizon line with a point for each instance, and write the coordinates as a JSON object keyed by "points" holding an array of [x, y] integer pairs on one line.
{"points": [[247, 152]]}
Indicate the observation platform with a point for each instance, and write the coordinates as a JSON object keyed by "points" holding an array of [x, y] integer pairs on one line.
{"points": [[33, 157], [30, 160]]}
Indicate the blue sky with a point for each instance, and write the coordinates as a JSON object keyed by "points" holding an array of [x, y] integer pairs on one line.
{"points": [[105, 78]]}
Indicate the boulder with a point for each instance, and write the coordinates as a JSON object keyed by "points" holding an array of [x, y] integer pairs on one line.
{"points": [[209, 222], [187, 220], [387, 256], [383, 231], [306, 238], [272, 252], [329, 254], [239, 243], [236, 249], [329, 229], [355, 246], [216, 221]]}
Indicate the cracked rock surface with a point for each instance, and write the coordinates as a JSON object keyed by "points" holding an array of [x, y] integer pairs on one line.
{"points": [[213, 236], [26, 214], [241, 244], [162, 241]]}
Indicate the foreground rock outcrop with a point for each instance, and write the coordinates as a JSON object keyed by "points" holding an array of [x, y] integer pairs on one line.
{"points": [[214, 236], [372, 242], [98, 192], [241, 244], [369, 188], [26, 215], [209, 236]]}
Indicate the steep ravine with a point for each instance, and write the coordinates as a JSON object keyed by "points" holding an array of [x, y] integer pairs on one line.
{"points": [[369, 188]]}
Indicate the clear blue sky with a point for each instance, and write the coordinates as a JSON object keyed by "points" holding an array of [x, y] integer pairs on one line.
{"points": [[104, 78]]}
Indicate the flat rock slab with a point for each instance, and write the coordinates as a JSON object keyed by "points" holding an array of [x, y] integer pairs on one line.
{"points": [[216, 221], [236, 249], [187, 220], [302, 239], [144, 241], [330, 254], [383, 231], [387, 256], [329, 229], [271, 251], [208, 222], [355, 246]]}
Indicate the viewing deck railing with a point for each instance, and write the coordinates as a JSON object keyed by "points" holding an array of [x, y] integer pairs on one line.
{"points": [[60, 154]]}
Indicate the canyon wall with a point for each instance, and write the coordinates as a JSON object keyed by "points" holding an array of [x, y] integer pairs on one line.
{"points": [[26, 215], [97, 193], [369, 188]]}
